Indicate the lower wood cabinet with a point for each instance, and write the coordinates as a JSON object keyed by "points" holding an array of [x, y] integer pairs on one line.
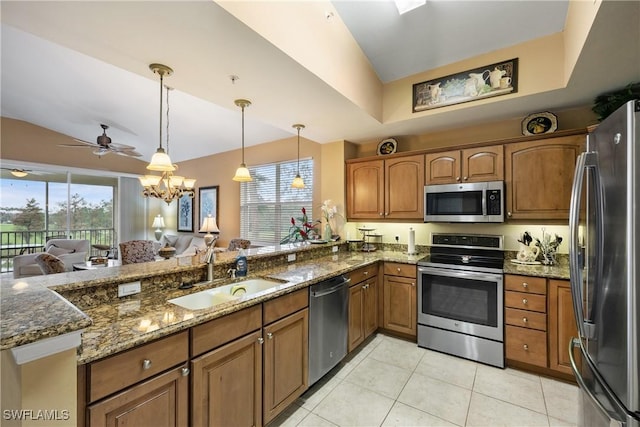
{"points": [[226, 384], [400, 299], [161, 401], [286, 362], [539, 322], [363, 311]]}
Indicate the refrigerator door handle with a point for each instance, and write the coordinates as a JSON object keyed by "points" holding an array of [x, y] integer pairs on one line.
{"points": [[576, 343]]}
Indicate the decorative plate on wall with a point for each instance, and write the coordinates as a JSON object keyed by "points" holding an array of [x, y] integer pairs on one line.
{"points": [[539, 123], [387, 146]]}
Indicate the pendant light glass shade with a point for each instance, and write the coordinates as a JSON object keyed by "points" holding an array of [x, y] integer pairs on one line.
{"points": [[298, 182], [160, 161], [242, 173]]}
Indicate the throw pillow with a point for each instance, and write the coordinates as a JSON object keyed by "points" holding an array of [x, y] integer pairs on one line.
{"points": [[50, 264], [57, 251]]}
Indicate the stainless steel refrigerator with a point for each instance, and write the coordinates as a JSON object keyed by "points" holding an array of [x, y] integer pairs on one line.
{"points": [[604, 250]]}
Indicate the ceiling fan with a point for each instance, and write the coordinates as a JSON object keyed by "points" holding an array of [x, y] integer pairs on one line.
{"points": [[105, 146]]}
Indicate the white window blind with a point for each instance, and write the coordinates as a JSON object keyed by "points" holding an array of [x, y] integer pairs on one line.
{"points": [[268, 203]]}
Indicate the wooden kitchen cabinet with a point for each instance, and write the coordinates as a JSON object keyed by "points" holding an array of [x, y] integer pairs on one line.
{"points": [[286, 352], [562, 325], [539, 177], [363, 305], [468, 165], [147, 385], [386, 189], [226, 386], [539, 323], [400, 299]]}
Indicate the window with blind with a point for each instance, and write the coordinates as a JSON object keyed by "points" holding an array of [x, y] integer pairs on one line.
{"points": [[268, 203]]}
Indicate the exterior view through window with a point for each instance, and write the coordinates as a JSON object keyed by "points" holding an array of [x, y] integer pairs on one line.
{"points": [[268, 203], [45, 205]]}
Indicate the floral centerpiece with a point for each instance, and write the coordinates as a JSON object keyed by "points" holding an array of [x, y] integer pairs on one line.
{"points": [[305, 230], [329, 211], [548, 247]]}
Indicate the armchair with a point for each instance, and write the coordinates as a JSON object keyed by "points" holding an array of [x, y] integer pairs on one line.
{"points": [[70, 251]]}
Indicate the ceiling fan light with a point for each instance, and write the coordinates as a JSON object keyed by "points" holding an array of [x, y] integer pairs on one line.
{"points": [[18, 173], [161, 162], [242, 174], [298, 182]]}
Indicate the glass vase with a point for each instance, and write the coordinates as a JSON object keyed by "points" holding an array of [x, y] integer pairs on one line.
{"points": [[326, 234]]}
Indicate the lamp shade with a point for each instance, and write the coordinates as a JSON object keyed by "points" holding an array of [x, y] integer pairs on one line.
{"points": [[158, 222], [298, 182], [160, 161], [242, 174], [18, 173], [209, 225]]}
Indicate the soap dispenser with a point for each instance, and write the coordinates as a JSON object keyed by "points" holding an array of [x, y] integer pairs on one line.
{"points": [[241, 264]]}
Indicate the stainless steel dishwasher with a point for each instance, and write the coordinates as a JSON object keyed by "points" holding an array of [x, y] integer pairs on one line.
{"points": [[328, 325]]}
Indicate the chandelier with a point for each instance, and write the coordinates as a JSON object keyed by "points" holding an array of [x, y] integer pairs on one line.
{"points": [[165, 186]]}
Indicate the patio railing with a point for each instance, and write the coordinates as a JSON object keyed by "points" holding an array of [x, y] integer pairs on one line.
{"points": [[14, 243]]}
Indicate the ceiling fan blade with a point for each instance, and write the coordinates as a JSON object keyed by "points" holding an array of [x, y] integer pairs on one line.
{"points": [[77, 145], [129, 153], [115, 146]]}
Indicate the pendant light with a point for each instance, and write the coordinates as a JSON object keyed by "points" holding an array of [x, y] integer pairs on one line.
{"points": [[298, 182], [242, 173], [160, 160]]}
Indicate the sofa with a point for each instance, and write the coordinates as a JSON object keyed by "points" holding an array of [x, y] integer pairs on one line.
{"points": [[185, 244], [70, 251]]}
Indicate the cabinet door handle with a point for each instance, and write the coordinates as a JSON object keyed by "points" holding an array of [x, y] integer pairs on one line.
{"points": [[525, 285], [260, 340], [525, 320], [270, 335], [526, 347], [525, 301], [185, 371], [146, 364]]}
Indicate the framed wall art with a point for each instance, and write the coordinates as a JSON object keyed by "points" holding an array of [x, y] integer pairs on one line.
{"points": [[208, 197], [185, 213], [491, 80]]}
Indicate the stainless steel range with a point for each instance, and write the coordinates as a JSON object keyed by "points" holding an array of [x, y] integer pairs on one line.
{"points": [[461, 298]]}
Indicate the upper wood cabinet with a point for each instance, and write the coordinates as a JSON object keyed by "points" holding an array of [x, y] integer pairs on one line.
{"points": [[468, 165], [386, 189], [539, 177]]}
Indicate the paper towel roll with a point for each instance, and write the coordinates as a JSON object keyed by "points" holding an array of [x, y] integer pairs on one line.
{"points": [[412, 242]]}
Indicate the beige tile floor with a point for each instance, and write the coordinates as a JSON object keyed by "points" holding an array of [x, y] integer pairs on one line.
{"points": [[391, 382]]}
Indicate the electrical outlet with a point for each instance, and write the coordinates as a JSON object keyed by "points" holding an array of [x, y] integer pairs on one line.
{"points": [[334, 249], [128, 289], [291, 257]]}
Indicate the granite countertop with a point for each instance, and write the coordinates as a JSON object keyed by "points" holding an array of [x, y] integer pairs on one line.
{"points": [[127, 322], [559, 271]]}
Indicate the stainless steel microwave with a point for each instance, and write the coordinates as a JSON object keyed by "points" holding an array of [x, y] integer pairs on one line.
{"points": [[464, 202]]}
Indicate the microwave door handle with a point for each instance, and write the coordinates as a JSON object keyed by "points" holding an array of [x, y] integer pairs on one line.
{"points": [[484, 202]]}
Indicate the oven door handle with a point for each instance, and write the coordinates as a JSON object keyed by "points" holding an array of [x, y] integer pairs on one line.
{"points": [[459, 273]]}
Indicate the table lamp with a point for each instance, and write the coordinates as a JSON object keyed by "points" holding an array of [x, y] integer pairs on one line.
{"points": [[158, 224], [209, 226]]}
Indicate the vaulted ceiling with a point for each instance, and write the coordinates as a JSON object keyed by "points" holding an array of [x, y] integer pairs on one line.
{"points": [[69, 65]]}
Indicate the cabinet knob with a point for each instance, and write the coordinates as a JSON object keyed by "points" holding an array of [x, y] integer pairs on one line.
{"points": [[260, 340], [399, 270], [270, 335], [366, 273], [457, 178], [413, 284], [525, 301], [381, 214], [525, 285], [386, 213], [525, 320], [185, 371], [365, 286], [466, 178], [526, 347], [146, 364], [509, 214]]}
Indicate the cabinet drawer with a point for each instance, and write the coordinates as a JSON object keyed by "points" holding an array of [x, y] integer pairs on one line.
{"points": [[363, 273], [285, 305], [535, 285], [525, 319], [398, 269], [117, 372], [220, 331], [526, 345], [525, 301]]}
